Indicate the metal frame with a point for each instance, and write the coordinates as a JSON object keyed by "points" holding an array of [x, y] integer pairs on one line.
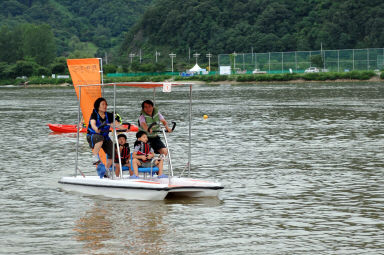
{"points": [[115, 140]]}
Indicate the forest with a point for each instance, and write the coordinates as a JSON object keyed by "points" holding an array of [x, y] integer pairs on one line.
{"points": [[36, 36], [225, 26]]}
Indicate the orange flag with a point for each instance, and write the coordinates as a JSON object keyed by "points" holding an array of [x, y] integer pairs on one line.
{"points": [[86, 72]]}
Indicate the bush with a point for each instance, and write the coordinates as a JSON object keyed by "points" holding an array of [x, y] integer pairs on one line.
{"points": [[24, 68], [9, 72], [109, 68], [3, 70], [7, 82], [42, 71], [58, 68]]}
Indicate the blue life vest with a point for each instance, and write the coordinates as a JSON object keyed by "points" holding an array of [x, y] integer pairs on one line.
{"points": [[104, 130]]}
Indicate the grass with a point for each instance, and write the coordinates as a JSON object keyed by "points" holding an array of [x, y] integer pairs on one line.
{"points": [[327, 76]]}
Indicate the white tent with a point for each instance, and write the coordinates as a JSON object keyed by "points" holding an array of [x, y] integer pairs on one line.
{"points": [[196, 68]]}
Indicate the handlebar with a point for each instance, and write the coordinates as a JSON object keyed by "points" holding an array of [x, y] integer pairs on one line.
{"points": [[123, 130], [154, 123]]}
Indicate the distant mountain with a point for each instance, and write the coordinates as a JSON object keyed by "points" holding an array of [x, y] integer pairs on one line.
{"points": [[225, 26], [78, 25]]}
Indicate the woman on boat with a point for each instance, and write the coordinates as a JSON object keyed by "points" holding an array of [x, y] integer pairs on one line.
{"points": [[150, 115], [98, 131]]}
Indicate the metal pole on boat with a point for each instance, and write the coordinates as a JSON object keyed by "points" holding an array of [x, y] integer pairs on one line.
{"points": [[169, 153], [118, 155], [190, 130], [102, 75], [115, 136], [78, 134], [114, 131]]}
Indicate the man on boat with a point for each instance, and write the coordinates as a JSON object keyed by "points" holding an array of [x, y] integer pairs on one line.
{"points": [[149, 115], [98, 131]]}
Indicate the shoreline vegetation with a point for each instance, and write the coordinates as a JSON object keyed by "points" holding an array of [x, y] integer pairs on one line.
{"points": [[214, 79]]}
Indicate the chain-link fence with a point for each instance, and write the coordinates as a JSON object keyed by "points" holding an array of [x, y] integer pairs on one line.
{"points": [[298, 61]]}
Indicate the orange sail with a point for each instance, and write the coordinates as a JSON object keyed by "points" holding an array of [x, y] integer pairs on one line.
{"points": [[86, 71]]}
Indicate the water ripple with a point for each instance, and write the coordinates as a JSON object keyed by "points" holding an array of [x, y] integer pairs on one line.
{"points": [[302, 166]]}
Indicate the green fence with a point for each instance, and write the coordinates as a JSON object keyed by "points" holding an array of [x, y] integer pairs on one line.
{"points": [[298, 61], [380, 62], [141, 74]]}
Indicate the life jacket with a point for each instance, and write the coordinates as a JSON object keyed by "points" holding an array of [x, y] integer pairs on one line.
{"points": [[104, 131], [124, 154], [145, 148], [151, 119]]}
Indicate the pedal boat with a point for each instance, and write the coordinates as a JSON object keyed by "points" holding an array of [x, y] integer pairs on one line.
{"points": [[144, 188]]}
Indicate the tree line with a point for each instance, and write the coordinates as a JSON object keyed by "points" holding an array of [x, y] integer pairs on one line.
{"points": [[36, 36], [27, 50], [225, 26], [82, 28]]}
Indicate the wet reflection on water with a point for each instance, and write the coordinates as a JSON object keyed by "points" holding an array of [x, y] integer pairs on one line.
{"points": [[302, 166], [110, 226]]}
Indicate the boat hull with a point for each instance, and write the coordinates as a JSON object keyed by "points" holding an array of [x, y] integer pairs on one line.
{"points": [[141, 189], [72, 128], [189, 187], [118, 188]]}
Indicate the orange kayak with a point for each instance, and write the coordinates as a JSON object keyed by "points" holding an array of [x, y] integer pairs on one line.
{"points": [[68, 128]]}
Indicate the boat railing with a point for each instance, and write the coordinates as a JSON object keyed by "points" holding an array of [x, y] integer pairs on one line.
{"points": [[115, 143], [115, 140], [169, 153]]}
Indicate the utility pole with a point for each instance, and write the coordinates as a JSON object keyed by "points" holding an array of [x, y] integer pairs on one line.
{"points": [[157, 54], [131, 55], [209, 55], [234, 60], [172, 55], [196, 55]]}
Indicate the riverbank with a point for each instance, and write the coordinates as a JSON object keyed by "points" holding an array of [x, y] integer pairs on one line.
{"points": [[373, 79], [355, 76]]}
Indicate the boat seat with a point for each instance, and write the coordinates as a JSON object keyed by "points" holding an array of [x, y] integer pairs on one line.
{"points": [[155, 169], [144, 170]]}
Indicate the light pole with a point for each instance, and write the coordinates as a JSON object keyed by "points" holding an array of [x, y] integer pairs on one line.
{"points": [[131, 55], [157, 54], [196, 55], [234, 60], [172, 55], [209, 55]]}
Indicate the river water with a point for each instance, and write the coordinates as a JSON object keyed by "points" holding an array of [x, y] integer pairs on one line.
{"points": [[302, 165]]}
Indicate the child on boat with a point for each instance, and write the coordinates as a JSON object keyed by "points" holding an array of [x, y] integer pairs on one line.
{"points": [[143, 154], [125, 155]]}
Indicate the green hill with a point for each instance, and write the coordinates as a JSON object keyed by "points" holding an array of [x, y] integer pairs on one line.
{"points": [[80, 27], [225, 26], [37, 31]]}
